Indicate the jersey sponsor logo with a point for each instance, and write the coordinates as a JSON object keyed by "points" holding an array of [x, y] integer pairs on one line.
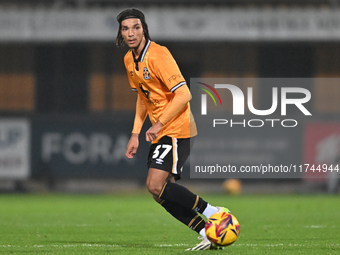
{"points": [[144, 91], [146, 74], [154, 102], [147, 95]]}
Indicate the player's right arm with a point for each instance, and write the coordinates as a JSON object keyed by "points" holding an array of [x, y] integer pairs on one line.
{"points": [[137, 126]]}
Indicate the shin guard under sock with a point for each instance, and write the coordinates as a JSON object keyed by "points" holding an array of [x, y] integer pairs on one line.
{"points": [[182, 196], [187, 217]]}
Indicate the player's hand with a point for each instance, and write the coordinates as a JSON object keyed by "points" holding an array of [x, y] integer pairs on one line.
{"points": [[132, 146], [152, 133]]}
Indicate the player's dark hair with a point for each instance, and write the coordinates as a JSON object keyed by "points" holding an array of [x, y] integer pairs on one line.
{"points": [[130, 14]]}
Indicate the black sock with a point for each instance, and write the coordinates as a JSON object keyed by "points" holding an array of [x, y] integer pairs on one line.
{"points": [[183, 197], [187, 217]]}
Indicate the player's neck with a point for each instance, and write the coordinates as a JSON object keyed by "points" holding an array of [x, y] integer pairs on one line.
{"points": [[137, 51]]}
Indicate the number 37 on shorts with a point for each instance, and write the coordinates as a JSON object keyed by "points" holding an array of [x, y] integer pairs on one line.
{"points": [[158, 156], [169, 154]]}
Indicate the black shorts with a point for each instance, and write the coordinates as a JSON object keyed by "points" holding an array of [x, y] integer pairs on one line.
{"points": [[169, 154]]}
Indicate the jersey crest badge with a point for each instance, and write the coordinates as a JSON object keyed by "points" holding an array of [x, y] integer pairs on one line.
{"points": [[146, 74]]}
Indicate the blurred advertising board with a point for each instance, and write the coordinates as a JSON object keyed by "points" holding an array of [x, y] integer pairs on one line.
{"points": [[85, 147], [322, 149], [174, 23], [14, 148]]}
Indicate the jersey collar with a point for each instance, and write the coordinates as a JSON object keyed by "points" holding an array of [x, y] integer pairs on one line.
{"points": [[142, 55]]}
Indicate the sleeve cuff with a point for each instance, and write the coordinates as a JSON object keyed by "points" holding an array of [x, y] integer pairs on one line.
{"points": [[177, 86]]}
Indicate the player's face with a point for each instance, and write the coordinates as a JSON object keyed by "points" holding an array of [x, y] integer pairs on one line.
{"points": [[132, 32]]}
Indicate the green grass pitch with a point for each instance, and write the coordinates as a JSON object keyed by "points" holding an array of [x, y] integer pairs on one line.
{"points": [[135, 224]]}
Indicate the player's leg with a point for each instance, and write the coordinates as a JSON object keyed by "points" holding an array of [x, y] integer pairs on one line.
{"points": [[181, 195], [187, 217], [165, 164], [169, 156], [161, 156], [155, 182], [178, 208]]}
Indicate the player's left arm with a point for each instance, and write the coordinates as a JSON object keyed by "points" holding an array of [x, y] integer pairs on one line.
{"points": [[181, 97], [166, 69]]}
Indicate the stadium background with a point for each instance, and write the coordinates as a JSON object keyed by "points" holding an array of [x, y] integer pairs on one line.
{"points": [[66, 108]]}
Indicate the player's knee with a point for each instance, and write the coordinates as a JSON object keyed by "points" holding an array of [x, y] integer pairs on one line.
{"points": [[154, 188]]}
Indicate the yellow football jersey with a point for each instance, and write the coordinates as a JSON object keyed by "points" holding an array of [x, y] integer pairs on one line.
{"points": [[155, 76]]}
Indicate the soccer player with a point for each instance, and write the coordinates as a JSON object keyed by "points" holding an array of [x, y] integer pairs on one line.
{"points": [[164, 96]]}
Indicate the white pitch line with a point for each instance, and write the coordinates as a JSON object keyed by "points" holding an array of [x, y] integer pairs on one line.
{"points": [[159, 245], [171, 245]]}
